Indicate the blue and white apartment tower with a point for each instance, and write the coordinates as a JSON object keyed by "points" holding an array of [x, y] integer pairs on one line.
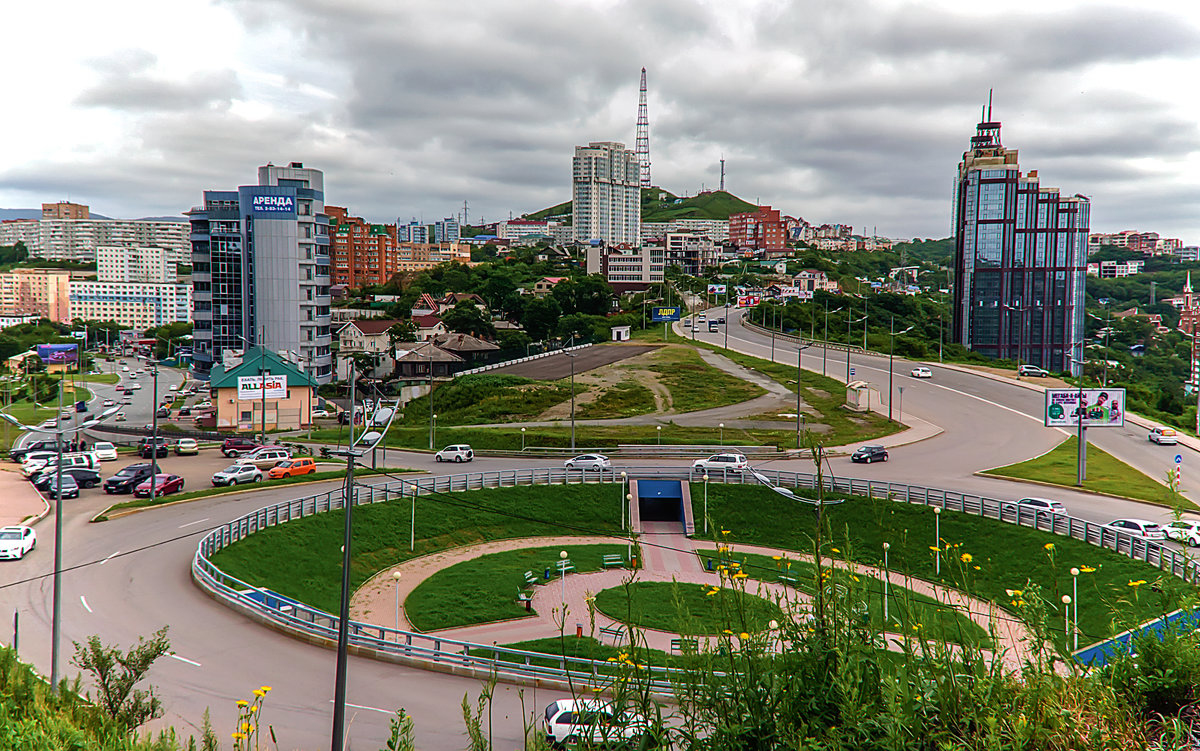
{"points": [[1020, 260], [260, 270]]}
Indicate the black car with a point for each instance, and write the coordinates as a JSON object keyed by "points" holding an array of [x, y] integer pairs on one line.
{"points": [[84, 477], [869, 454], [128, 478], [146, 447], [164, 412], [185, 411], [18, 455]]}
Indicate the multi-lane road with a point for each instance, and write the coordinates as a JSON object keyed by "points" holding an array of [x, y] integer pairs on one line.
{"points": [[129, 576]]}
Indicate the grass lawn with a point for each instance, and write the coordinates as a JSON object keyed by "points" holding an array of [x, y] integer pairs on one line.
{"points": [[686, 608], [453, 596], [1105, 474], [626, 399], [865, 594], [300, 559], [482, 398], [696, 385], [1002, 556]]}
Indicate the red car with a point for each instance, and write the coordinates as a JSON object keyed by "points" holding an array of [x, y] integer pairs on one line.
{"points": [[163, 485]]}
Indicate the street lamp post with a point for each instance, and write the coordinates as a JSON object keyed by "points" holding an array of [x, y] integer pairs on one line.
{"points": [[522, 439], [726, 320], [706, 503], [396, 624], [937, 537], [891, 358], [658, 430], [849, 321], [1066, 600], [562, 577], [799, 417], [886, 579], [721, 425], [624, 480], [1075, 601], [432, 427], [825, 344]]}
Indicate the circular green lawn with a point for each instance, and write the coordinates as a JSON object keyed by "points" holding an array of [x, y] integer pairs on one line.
{"points": [[686, 608]]}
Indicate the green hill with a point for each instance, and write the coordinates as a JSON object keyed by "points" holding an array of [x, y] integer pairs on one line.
{"points": [[659, 205]]}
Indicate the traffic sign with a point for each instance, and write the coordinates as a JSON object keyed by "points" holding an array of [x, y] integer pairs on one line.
{"points": [[851, 372], [1179, 458]]}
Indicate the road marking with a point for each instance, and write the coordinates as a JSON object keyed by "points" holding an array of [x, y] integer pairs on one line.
{"points": [[373, 709], [110, 556], [198, 521], [85, 605], [183, 659]]}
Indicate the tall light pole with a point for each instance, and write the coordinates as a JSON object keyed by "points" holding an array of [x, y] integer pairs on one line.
{"points": [[891, 357], [850, 320], [799, 352], [722, 427], [706, 503], [572, 358], [1020, 311], [726, 320], [1075, 601], [1081, 429], [825, 344], [886, 580], [624, 480], [562, 578], [58, 432], [937, 536], [396, 578]]}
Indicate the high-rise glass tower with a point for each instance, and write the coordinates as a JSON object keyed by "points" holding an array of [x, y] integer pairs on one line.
{"points": [[1020, 260], [605, 193]]}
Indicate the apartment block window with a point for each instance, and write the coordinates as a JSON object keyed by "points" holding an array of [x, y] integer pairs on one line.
{"points": [[246, 414]]}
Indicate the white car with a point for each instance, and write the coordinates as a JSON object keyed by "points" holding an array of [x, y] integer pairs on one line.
{"points": [[51, 423], [265, 457], [105, 452], [1183, 530], [1137, 527], [136, 386], [320, 413], [589, 461], [109, 403], [458, 453], [1164, 436], [922, 373], [16, 541], [173, 387], [237, 474], [731, 462], [120, 416], [202, 405], [591, 723], [1043, 504]]}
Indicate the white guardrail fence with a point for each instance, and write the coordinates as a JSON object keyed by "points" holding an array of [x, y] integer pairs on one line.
{"points": [[519, 360], [482, 660]]}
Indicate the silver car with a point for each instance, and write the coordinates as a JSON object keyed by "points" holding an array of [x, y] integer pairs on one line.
{"points": [[237, 474], [589, 461]]}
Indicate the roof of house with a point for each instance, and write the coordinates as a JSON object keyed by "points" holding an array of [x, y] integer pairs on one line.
{"points": [[425, 302], [426, 321], [453, 298], [463, 343], [373, 326], [424, 352], [552, 279], [254, 360]]}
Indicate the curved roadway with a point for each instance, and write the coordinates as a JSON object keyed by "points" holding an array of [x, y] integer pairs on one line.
{"points": [[133, 572]]}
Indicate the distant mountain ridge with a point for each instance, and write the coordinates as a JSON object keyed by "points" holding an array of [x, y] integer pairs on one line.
{"points": [[659, 205], [8, 214]]}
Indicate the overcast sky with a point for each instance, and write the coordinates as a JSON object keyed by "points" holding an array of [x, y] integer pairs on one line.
{"points": [[854, 111]]}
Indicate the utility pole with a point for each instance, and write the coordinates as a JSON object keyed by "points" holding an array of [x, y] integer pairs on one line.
{"points": [[339, 688]]}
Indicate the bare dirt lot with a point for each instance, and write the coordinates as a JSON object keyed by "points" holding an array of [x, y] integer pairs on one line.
{"points": [[558, 366]]}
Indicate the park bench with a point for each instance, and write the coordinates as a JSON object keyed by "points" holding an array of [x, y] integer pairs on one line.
{"points": [[565, 566], [530, 578], [788, 579], [525, 598], [616, 631], [615, 559], [684, 645]]}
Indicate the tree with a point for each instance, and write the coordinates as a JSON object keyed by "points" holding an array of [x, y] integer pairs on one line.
{"points": [[467, 318], [590, 295], [405, 331], [540, 316], [115, 674]]}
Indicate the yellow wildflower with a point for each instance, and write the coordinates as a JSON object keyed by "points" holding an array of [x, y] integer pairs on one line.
{"points": [[1049, 546], [724, 531], [835, 550], [265, 688], [238, 736], [245, 727], [1087, 569], [935, 548], [743, 635], [740, 575], [966, 557], [259, 693], [777, 557], [975, 567], [1137, 583], [727, 631], [242, 702]]}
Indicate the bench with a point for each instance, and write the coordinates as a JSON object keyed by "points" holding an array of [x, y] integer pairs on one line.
{"points": [[788, 579], [616, 631], [525, 599], [685, 645], [565, 566], [615, 559], [531, 578]]}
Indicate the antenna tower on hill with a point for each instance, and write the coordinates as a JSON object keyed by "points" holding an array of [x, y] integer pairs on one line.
{"points": [[722, 174], [643, 135]]}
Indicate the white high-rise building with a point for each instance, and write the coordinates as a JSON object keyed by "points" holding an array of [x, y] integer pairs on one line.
{"points": [[149, 265], [606, 193], [79, 239]]}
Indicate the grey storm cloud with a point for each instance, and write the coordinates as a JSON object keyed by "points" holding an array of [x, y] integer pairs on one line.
{"points": [[127, 82]]}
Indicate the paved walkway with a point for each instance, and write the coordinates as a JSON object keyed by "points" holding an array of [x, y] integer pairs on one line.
{"points": [[19, 500]]}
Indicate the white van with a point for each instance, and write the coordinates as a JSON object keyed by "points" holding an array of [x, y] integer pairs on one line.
{"points": [[84, 459]]}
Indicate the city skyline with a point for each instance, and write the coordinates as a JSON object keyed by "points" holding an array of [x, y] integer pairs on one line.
{"points": [[409, 110]]}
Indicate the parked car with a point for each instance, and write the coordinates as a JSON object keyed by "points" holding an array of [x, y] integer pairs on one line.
{"points": [[127, 478], [158, 447], [119, 417], [320, 413], [869, 455], [202, 405], [105, 452], [1138, 527], [163, 413], [185, 411], [50, 424], [1183, 530], [460, 452], [35, 460], [729, 462], [84, 477], [237, 474], [1032, 371], [69, 487], [592, 723], [16, 541], [265, 457], [75, 459], [45, 444], [163, 485], [589, 461], [1042, 504], [922, 372], [187, 447], [173, 387], [293, 468], [233, 447], [109, 403], [66, 414], [1164, 436]]}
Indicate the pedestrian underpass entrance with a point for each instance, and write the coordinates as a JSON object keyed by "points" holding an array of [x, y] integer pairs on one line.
{"points": [[661, 501]]}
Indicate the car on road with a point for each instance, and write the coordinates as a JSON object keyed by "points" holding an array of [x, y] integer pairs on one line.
{"points": [[127, 478], [105, 452], [173, 387], [1042, 504], [84, 477], [163, 413], [136, 386], [922, 372], [45, 444], [187, 447], [206, 404], [320, 413], [233, 447], [292, 468], [163, 485], [1164, 436], [237, 474], [721, 462], [69, 487], [16, 541], [109, 403], [35, 460], [592, 723], [1138, 527], [119, 417], [158, 447], [265, 457], [869, 455], [459, 452], [1183, 530], [74, 459], [50, 424], [185, 411], [66, 414], [127, 400], [589, 461], [1032, 371]]}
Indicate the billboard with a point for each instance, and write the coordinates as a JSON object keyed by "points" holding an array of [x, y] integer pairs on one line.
{"points": [[250, 387], [281, 207], [1103, 408], [58, 353], [748, 301], [664, 314], [716, 289], [796, 292]]}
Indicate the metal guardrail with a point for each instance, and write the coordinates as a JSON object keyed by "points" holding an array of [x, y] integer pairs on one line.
{"points": [[519, 360], [306, 622], [833, 346]]}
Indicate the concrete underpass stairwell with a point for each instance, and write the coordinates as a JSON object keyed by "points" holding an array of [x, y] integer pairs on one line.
{"points": [[665, 544]]}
